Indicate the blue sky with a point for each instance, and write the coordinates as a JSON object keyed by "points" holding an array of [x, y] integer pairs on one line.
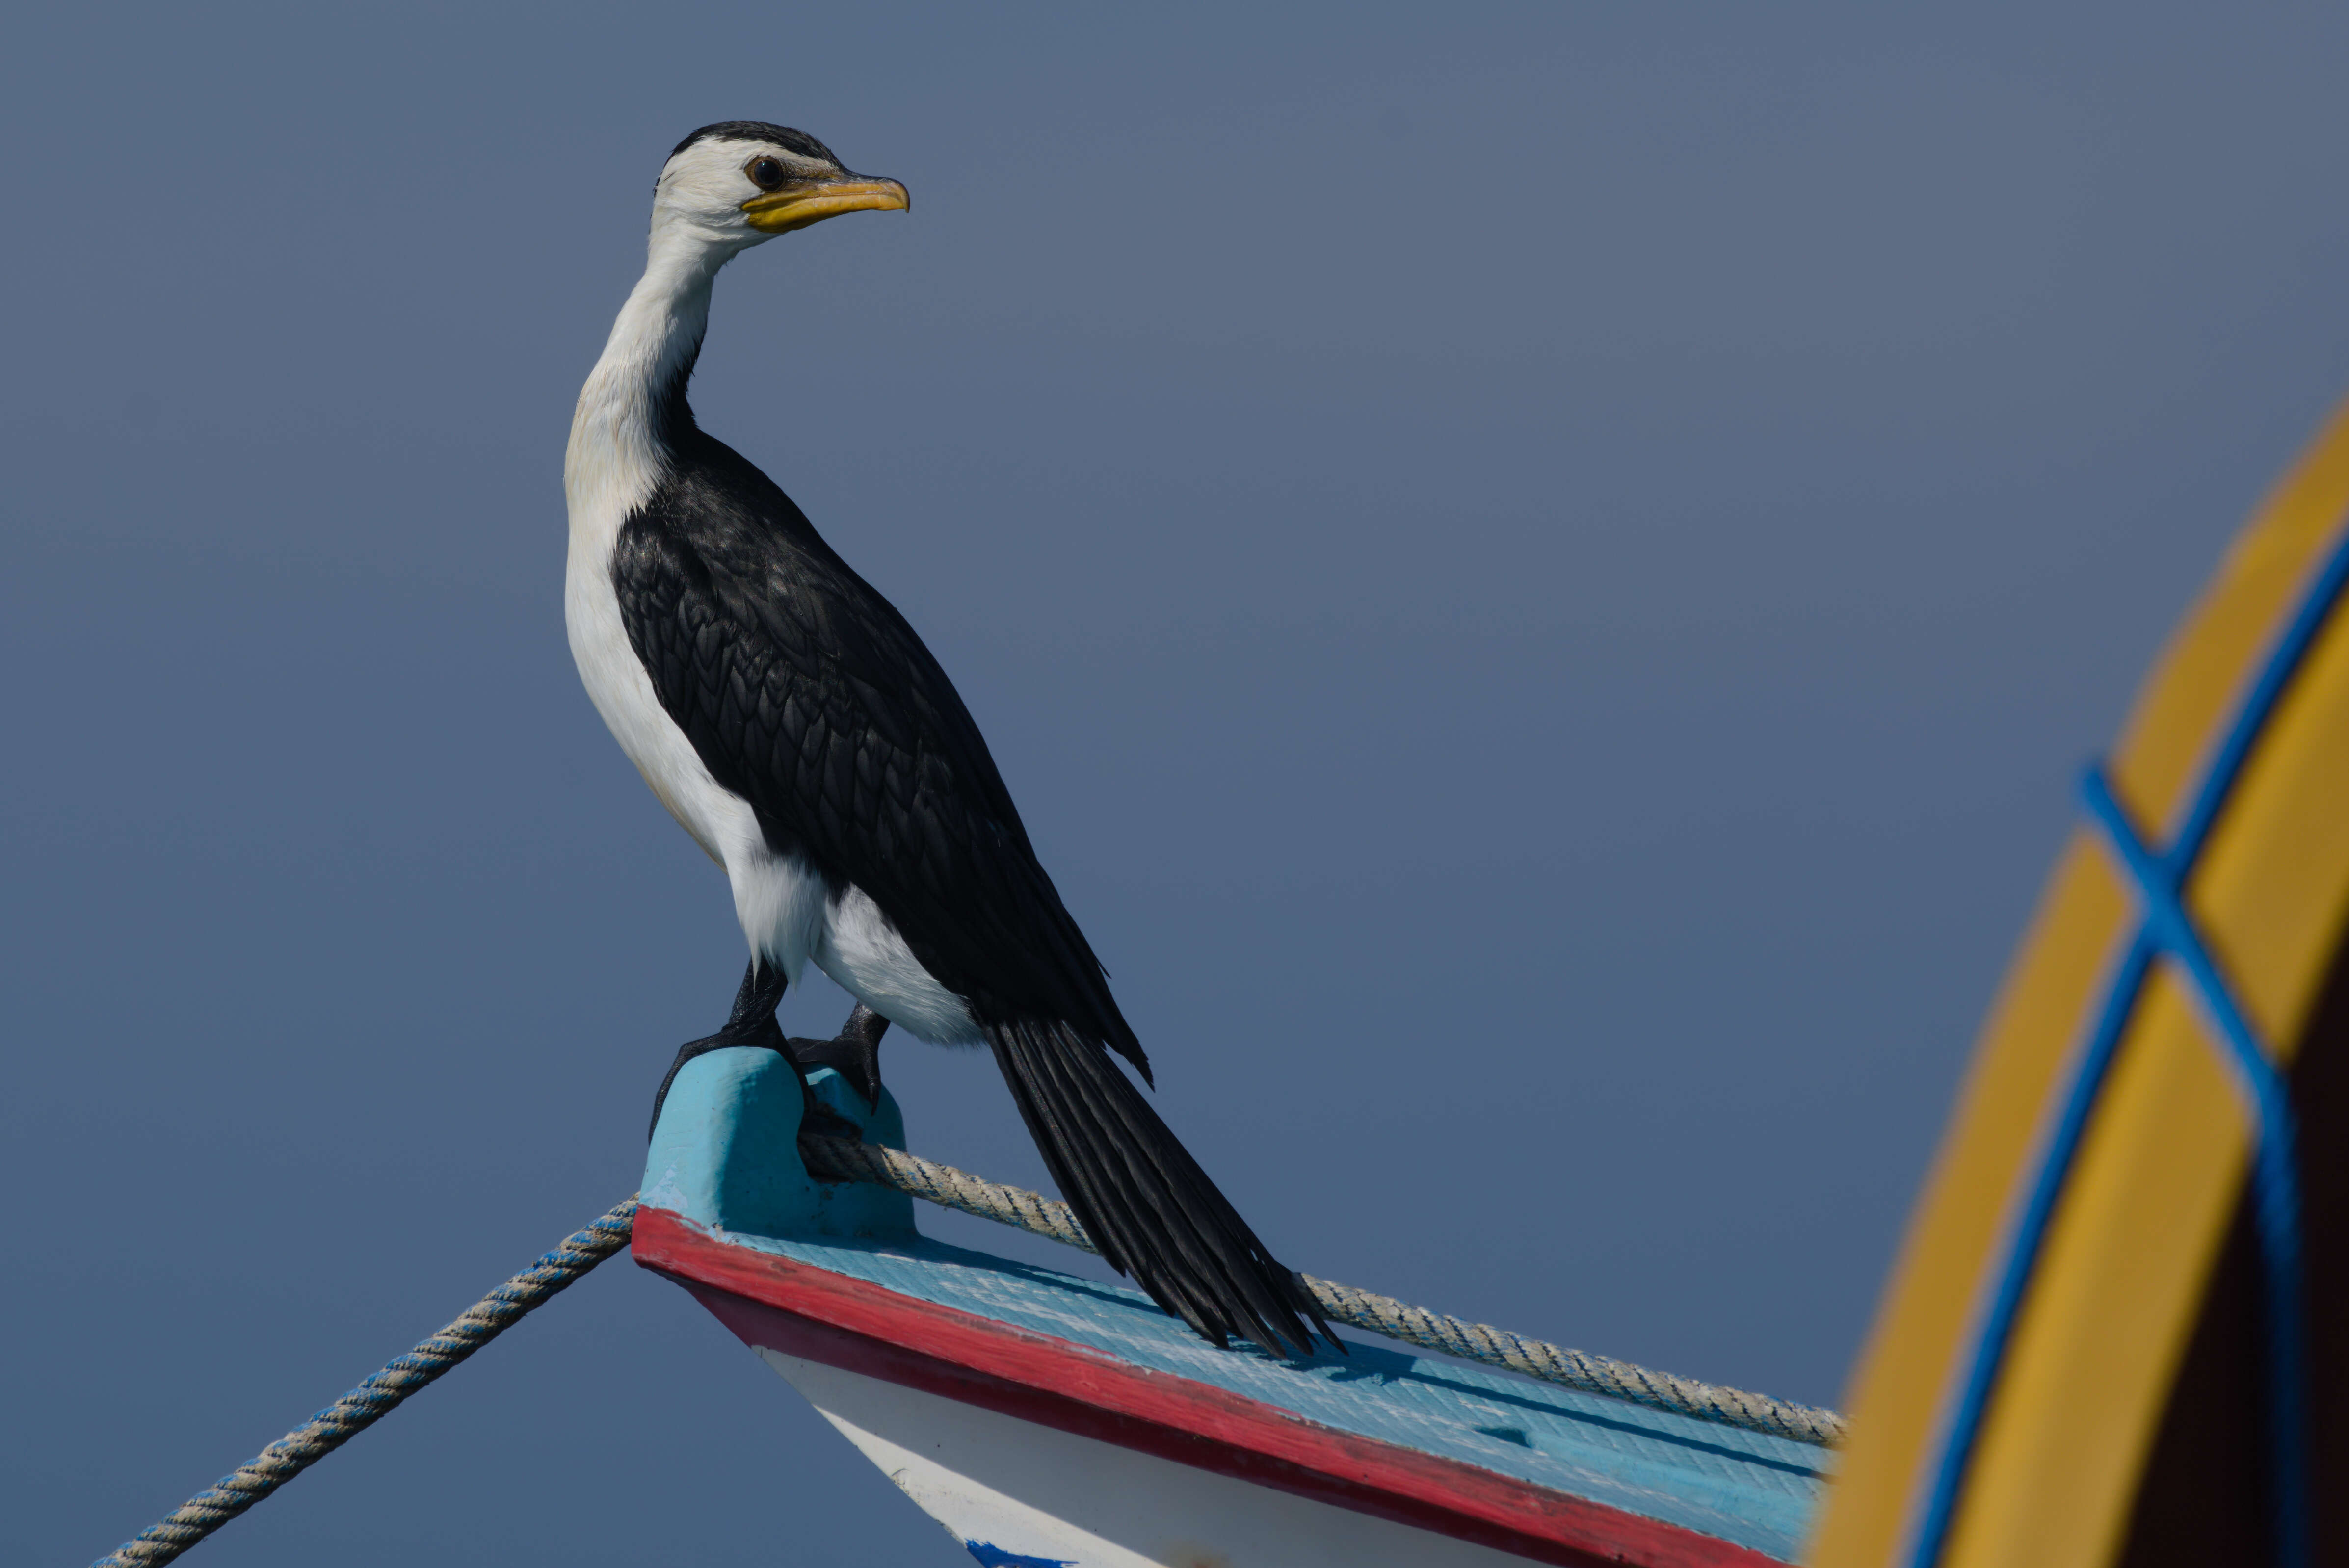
{"points": [[1540, 575]]}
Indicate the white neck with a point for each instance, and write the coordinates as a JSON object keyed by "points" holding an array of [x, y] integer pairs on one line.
{"points": [[620, 447]]}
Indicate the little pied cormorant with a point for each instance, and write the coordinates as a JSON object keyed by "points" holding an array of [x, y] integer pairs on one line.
{"points": [[791, 720]]}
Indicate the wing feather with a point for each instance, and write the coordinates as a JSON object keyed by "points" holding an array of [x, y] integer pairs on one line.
{"points": [[807, 694]]}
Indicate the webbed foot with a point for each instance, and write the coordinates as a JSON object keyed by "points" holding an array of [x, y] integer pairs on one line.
{"points": [[854, 1054], [752, 1023]]}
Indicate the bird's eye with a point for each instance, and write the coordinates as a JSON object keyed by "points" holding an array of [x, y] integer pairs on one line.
{"points": [[766, 174]]}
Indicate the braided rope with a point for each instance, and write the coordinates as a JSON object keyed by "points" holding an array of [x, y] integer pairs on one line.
{"points": [[377, 1397], [842, 1158], [1575, 1369], [846, 1160]]}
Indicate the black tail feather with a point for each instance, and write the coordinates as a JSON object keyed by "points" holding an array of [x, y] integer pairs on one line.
{"points": [[1146, 1204]]}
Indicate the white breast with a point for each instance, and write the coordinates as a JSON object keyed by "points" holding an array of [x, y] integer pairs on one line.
{"points": [[778, 899], [614, 463]]}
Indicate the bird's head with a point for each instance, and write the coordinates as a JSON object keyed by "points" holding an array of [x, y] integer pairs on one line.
{"points": [[740, 183]]}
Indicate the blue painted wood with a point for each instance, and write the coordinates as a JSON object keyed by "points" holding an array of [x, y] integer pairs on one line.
{"points": [[725, 1156], [990, 1556]]}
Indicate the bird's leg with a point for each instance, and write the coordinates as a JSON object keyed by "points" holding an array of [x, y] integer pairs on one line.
{"points": [[752, 1023], [854, 1054]]}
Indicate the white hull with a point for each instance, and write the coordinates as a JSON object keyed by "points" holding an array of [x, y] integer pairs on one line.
{"points": [[1018, 1493]]}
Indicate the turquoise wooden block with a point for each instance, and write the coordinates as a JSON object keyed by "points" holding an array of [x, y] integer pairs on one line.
{"points": [[726, 1153]]}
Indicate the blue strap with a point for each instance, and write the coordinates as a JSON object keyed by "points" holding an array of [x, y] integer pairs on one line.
{"points": [[2275, 1175], [2093, 1061], [2030, 1226]]}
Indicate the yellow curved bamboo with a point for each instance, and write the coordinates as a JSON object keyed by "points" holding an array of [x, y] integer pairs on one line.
{"points": [[2105, 1318]]}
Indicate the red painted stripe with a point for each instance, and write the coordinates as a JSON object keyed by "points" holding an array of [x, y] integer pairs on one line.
{"points": [[860, 1326]]}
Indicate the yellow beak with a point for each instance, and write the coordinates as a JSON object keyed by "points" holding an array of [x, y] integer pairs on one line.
{"points": [[811, 201]]}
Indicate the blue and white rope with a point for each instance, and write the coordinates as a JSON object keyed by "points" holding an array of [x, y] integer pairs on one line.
{"points": [[377, 1397]]}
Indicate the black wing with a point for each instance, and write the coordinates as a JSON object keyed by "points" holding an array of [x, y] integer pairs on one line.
{"points": [[805, 692]]}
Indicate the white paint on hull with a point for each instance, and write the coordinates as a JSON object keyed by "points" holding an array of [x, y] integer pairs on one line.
{"points": [[1041, 1492]]}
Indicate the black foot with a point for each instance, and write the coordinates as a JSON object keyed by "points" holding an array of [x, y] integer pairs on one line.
{"points": [[855, 1054], [752, 1024]]}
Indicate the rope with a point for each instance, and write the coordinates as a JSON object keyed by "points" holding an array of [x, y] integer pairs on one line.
{"points": [[842, 1158], [1575, 1369], [377, 1397]]}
